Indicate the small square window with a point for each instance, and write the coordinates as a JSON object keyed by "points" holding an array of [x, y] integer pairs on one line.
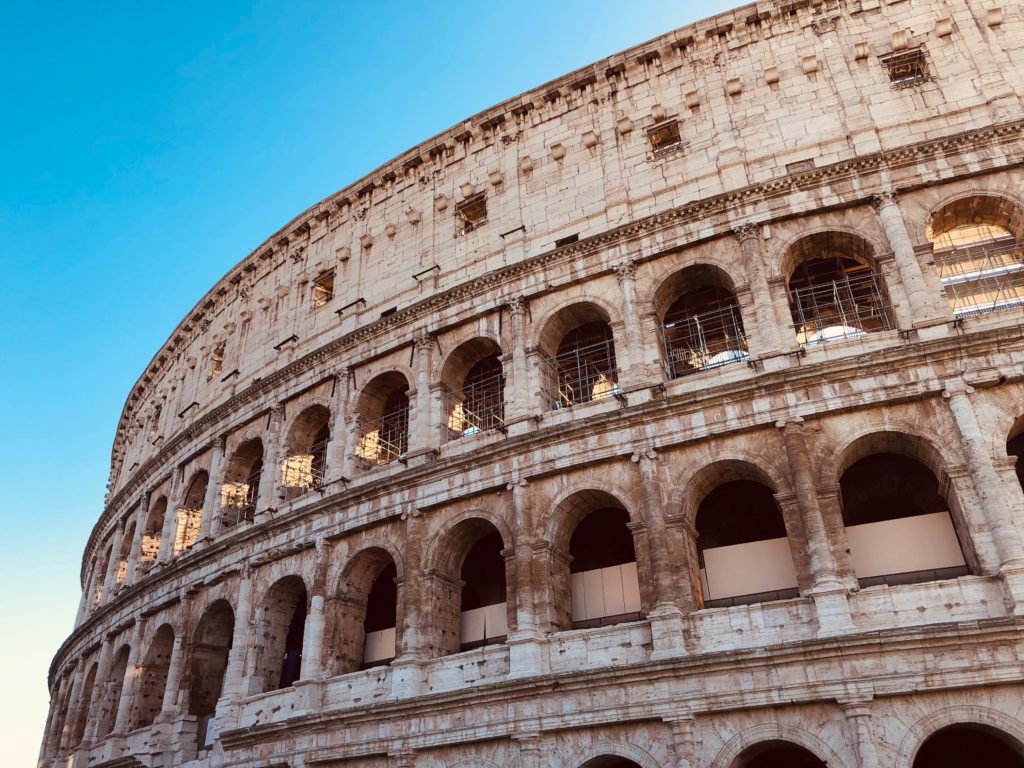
{"points": [[323, 290], [471, 212], [906, 68], [665, 137]]}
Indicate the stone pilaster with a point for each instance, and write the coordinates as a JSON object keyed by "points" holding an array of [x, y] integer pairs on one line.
{"points": [[211, 502], [768, 340]]}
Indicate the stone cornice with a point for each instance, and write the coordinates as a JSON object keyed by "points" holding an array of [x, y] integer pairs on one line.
{"points": [[720, 206]]}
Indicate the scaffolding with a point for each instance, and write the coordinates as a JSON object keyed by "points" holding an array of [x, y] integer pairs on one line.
{"points": [[983, 276], [478, 407], [238, 498], [187, 531], [701, 341], [304, 472], [582, 373], [836, 299], [386, 439]]}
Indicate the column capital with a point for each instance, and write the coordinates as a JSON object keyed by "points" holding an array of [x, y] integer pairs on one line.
{"points": [[423, 341], [956, 387], [748, 231], [883, 199], [625, 270], [789, 421], [518, 306]]}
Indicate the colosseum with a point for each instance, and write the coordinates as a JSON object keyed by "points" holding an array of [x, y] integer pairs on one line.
{"points": [[668, 415]]}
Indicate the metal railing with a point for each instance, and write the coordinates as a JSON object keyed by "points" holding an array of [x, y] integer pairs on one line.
{"points": [[480, 406], [186, 532], [304, 472], [832, 310], [983, 277], [237, 503], [582, 374], [384, 440], [704, 340]]}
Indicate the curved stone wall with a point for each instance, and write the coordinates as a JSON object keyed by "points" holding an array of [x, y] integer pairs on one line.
{"points": [[661, 416]]}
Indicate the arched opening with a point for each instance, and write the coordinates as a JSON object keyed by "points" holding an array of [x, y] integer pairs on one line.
{"points": [[280, 626], [965, 744], [238, 494], [834, 291], [777, 754], [112, 692], [151, 680], [579, 357], [211, 644], [483, 604], [979, 255], [305, 462], [897, 522], [701, 326], [473, 383], [190, 513], [364, 613], [609, 761], [604, 585], [82, 708], [742, 545], [383, 420], [152, 532], [125, 553]]}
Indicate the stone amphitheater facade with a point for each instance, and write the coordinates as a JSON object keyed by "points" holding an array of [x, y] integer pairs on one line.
{"points": [[666, 415]]}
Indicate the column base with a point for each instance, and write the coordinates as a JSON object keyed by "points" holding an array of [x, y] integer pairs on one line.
{"points": [[407, 676], [668, 631], [526, 656], [833, 610]]}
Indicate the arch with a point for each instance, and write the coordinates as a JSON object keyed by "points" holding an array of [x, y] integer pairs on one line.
{"points": [[700, 320], [152, 533], [208, 659], [364, 615], [730, 467], [595, 575], [383, 413], [151, 678], [833, 288], [1015, 447], [190, 513], [578, 349], [279, 629], [739, 744], [958, 714], [969, 744], [892, 502], [743, 546], [473, 387], [304, 466], [977, 243], [571, 313], [240, 490], [592, 755], [111, 692]]}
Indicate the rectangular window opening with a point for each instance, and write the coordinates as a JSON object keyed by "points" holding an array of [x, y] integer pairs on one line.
{"points": [[323, 290], [665, 137], [906, 68], [471, 212]]}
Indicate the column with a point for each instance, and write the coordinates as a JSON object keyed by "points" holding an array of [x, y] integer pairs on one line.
{"points": [[407, 676], [859, 715], [682, 739], [768, 329], [211, 503], [110, 578], [124, 706], [420, 437], [166, 551], [141, 512], [670, 592], [266, 497], [232, 689], [987, 485], [529, 750], [921, 300], [72, 705], [526, 654], [175, 668], [350, 426], [631, 358], [520, 400], [336, 469], [828, 593]]}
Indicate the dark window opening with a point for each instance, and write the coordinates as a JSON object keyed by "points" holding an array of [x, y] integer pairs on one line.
{"points": [[480, 404], [323, 290], [969, 744], [776, 754], [471, 212], [291, 663], [665, 137], [605, 588], [906, 68], [381, 619], [483, 594], [584, 366], [836, 297], [703, 329]]}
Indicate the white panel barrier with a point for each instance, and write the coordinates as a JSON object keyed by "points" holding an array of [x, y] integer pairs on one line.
{"points": [[918, 543], [380, 645], [484, 623], [748, 569], [602, 592]]}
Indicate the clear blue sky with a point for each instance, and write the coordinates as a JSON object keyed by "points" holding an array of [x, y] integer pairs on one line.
{"points": [[146, 148]]}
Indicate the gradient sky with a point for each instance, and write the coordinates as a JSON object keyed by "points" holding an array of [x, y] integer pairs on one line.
{"points": [[148, 147]]}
